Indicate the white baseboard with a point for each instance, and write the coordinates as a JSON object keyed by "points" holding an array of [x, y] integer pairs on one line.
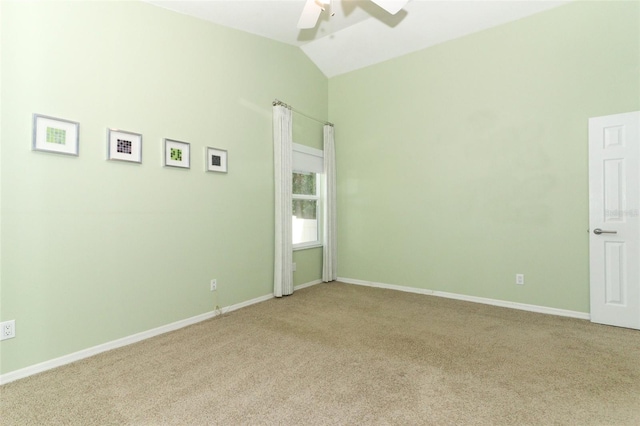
{"points": [[134, 338], [387, 286], [475, 299], [86, 353], [305, 285]]}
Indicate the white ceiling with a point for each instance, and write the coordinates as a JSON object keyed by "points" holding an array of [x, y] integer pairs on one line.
{"points": [[360, 33]]}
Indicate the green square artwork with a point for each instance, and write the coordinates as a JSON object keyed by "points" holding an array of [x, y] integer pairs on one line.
{"points": [[176, 154], [57, 136]]}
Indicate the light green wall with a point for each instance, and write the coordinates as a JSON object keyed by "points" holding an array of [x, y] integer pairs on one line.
{"points": [[308, 265], [94, 250], [466, 163]]}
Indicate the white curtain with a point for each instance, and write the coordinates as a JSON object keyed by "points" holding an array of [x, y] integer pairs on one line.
{"points": [[282, 154], [329, 248]]}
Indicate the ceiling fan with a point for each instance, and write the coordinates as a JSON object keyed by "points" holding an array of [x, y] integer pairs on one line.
{"points": [[313, 9]]}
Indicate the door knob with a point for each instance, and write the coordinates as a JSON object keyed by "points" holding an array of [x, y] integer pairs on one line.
{"points": [[599, 231]]}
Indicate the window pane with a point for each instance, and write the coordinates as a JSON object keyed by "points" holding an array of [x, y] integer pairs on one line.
{"points": [[304, 183], [305, 221]]}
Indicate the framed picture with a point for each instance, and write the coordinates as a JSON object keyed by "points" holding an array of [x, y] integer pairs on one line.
{"points": [[124, 146], [177, 154], [55, 135], [216, 160]]}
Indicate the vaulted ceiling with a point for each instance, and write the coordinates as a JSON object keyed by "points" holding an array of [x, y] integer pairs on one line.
{"points": [[360, 33]]}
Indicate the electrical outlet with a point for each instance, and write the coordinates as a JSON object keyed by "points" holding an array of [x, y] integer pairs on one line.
{"points": [[8, 330], [293, 267], [520, 279], [214, 284]]}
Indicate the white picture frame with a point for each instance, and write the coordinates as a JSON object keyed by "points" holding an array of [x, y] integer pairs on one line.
{"points": [[215, 160], [124, 146], [56, 135], [177, 154]]}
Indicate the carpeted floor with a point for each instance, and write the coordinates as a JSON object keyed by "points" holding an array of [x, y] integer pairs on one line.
{"points": [[344, 354]]}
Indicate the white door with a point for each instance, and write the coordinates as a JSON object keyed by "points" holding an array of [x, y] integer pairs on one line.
{"points": [[614, 222]]}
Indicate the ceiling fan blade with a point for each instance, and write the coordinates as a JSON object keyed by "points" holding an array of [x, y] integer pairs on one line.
{"points": [[310, 15], [391, 6]]}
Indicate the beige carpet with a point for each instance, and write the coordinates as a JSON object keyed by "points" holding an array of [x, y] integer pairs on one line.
{"points": [[344, 354]]}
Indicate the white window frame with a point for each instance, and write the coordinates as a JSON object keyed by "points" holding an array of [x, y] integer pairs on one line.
{"points": [[310, 160]]}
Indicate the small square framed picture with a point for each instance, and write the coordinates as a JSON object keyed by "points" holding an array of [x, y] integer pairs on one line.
{"points": [[177, 154], [216, 160], [55, 135], [124, 146]]}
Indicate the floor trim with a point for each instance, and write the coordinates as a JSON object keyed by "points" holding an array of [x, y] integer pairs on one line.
{"points": [[134, 338], [305, 285], [474, 299], [86, 353]]}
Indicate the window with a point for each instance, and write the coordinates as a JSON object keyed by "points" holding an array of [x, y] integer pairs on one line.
{"points": [[306, 198], [305, 209]]}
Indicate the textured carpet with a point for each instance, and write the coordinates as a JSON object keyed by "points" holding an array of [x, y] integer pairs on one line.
{"points": [[345, 354]]}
